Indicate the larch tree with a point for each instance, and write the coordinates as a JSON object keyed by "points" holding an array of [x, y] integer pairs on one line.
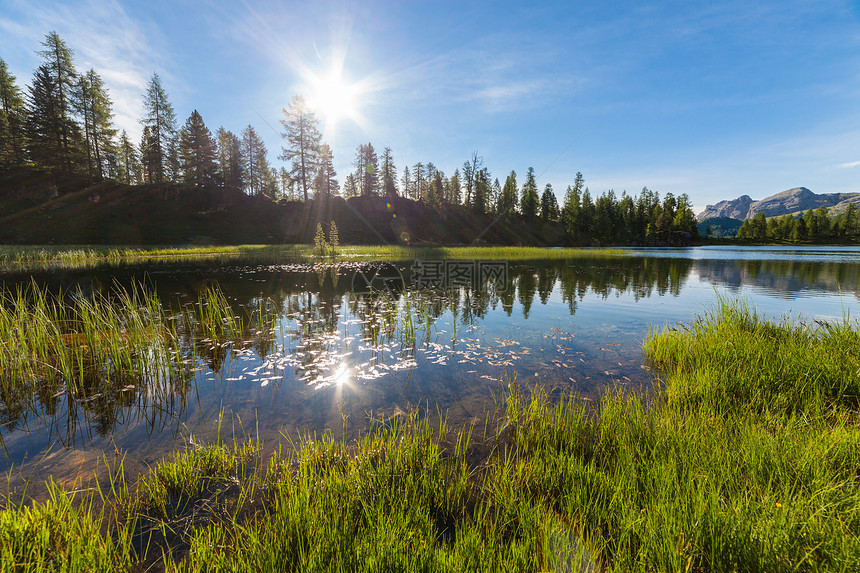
{"points": [[303, 140], [197, 152], [325, 182], [161, 122], [12, 119]]}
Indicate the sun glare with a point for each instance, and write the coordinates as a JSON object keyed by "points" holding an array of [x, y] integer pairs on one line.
{"points": [[333, 98]]}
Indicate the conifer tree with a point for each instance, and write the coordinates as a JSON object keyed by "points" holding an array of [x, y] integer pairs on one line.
{"points": [[508, 197], [366, 169], [529, 202], [406, 183], [454, 188], [572, 207], [303, 141], [93, 104], [389, 174], [129, 160], [419, 174], [12, 119], [54, 136], [255, 160], [231, 166], [161, 154], [350, 186], [197, 152], [548, 204], [325, 183]]}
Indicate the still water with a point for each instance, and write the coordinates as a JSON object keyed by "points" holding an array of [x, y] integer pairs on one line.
{"points": [[444, 336]]}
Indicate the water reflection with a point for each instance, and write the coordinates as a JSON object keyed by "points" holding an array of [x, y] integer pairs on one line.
{"points": [[313, 347]]}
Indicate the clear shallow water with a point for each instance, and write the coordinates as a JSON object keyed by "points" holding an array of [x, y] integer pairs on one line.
{"points": [[337, 352]]}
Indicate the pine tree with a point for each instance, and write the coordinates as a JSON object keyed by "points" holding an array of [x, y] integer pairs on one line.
{"points": [[435, 192], [350, 186], [255, 160], [529, 202], [406, 183], [482, 190], [366, 169], [231, 167], [161, 121], [495, 195], [548, 205], [508, 197], [389, 175], [129, 161], [454, 188], [303, 139], [93, 104], [197, 152], [149, 159], [12, 119], [471, 172], [325, 183], [54, 136], [419, 173], [572, 208]]}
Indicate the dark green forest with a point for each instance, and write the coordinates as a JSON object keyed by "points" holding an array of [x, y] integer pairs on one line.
{"points": [[58, 138], [814, 226]]}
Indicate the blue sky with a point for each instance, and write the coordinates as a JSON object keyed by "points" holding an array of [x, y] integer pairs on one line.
{"points": [[712, 99]]}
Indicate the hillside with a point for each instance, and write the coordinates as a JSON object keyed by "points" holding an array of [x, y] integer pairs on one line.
{"points": [[719, 227], [39, 208], [792, 201]]}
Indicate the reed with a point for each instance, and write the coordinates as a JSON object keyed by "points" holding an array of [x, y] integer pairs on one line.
{"points": [[45, 257]]}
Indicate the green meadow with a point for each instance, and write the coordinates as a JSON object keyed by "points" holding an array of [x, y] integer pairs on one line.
{"points": [[85, 256], [745, 459]]}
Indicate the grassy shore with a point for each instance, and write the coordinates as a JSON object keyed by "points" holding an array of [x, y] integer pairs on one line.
{"points": [[33, 257], [747, 460]]}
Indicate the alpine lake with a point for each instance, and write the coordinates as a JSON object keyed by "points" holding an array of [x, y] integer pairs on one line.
{"points": [[324, 345]]}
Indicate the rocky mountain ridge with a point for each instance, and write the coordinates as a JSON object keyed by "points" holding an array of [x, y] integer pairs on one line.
{"points": [[790, 201]]}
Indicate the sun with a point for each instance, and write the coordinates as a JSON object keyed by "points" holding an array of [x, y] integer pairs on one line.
{"points": [[333, 98]]}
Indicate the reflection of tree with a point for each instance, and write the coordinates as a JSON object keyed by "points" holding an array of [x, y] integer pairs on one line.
{"points": [[526, 288], [782, 275]]}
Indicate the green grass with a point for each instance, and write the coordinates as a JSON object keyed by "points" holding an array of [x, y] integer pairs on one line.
{"points": [[111, 348], [47, 341], [747, 461], [35, 257]]}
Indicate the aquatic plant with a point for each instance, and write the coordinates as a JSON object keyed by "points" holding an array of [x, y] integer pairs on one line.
{"points": [[688, 481]]}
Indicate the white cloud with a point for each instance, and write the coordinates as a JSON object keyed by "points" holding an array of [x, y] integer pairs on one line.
{"points": [[104, 37], [849, 165]]}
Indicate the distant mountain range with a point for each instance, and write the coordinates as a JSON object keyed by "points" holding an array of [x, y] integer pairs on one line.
{"points": [[792, 201]]}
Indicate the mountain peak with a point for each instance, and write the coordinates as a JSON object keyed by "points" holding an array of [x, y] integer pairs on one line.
{"points": [[784, 202]]}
